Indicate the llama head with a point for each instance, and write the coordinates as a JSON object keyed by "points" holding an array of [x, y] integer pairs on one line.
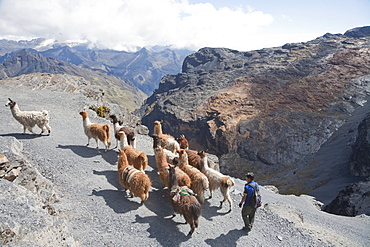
{"points": [[181, 137], [171, 175], [182, 153], [122, 135], [83, 113], [10, 103], [114, 118], [121, 153], [202, 154]]}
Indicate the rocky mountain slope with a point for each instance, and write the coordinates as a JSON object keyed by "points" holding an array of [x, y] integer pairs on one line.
{"points": [[116, 89], [67, 194], [144, 68], [274, 110]]}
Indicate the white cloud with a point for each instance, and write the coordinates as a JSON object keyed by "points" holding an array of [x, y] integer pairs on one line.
{"points": [[124, 24]]}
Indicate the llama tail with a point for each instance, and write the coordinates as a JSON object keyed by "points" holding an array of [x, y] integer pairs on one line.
{"points": [[205, 182], [106, 127], [227, 182], [196, 210]]}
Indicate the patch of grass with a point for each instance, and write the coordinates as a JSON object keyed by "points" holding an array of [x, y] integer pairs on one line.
{"points": [[102, 111]]}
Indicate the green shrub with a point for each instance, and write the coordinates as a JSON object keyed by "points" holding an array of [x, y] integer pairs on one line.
{"points": [[102, 111]]}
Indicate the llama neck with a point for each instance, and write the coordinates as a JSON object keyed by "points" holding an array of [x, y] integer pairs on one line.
{"points": [[86, 121], [15, 110], [173, 183], [123, 142], [158, 130], [116, 126], [122, 161], [204, 162], [160, 158], [183, 160]]}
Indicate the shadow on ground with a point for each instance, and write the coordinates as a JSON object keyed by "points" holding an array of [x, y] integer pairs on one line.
{"points": [[21, 136], [228, 239], [87, 152]]}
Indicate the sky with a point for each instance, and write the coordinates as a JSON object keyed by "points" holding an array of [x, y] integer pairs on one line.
{"points": [[182, 24]]}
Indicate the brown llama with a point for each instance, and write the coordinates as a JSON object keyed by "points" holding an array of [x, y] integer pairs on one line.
{"points": [[162, 166], [199, 181], [136, 181], [167, 141], [183, 201], [216, 179], [135, 157], [184, 144], [95, 131], [194, 160]]}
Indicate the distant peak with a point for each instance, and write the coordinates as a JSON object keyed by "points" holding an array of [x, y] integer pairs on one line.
{"points": [[358, 32]]}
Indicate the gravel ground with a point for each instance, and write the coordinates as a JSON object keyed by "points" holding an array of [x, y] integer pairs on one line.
{"points": [[94, 210]]}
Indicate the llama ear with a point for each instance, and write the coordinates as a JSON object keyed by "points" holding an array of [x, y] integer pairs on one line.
{"points": [[10, 99]]}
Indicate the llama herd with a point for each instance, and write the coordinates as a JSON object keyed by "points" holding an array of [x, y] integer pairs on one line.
{"points": [[185, 173]]}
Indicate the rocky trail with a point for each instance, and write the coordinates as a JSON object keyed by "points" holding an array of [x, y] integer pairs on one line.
{"points": [[76, 200]]}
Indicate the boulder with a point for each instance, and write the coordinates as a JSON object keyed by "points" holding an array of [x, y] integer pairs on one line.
{"points": [[360, 158], [353, 200]]}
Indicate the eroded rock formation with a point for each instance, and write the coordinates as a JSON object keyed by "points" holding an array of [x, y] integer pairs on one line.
{"points": [[265, 110]]}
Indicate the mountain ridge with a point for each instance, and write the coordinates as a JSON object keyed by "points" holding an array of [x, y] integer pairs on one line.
{"points": [[145, 72], [116, 89]]}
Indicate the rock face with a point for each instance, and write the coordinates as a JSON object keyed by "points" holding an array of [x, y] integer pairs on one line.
{"points": [[28, 203], [360, 159], [352, 200], [265, 110]]}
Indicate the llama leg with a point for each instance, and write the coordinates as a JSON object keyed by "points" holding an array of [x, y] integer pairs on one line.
{"points": [[106, 146], [97, 143], [201, 196], [42, 129], [24, 130], [143, 198], [225, 193], [230, 202], [210, 194], [88, 141], [48, 128], [30, 129], [189, 220]]}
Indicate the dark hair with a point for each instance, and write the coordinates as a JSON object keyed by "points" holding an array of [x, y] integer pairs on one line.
{"points": [[250, 175]]}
